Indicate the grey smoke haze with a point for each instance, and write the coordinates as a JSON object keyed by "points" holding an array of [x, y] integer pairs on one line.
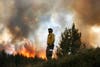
{"points": [[88, 11], [27, 13], [30, 18], [87, 16]]}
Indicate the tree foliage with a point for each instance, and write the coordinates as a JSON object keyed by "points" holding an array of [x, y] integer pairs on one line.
{"points": [[70, 40]]}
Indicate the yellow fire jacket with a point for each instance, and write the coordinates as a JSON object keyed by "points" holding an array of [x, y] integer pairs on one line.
{"points": [[50, 39]]}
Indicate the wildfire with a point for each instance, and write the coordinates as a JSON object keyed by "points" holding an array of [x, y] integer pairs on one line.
{"points": [[29, 51], [26, 49], [96, 29], [96, 36], [42, 54]]}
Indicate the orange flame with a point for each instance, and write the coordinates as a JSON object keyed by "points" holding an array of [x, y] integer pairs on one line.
{"points": [[27, 53], [27, 50], [41, 54]]}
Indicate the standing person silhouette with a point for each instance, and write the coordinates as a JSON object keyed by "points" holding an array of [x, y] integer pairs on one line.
{"points": [[50, 43]]}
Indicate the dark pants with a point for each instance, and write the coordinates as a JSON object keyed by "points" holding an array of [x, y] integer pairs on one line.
{"points": [[49, 51]]}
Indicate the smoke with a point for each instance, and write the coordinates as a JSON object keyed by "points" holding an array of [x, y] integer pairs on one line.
{"points": [[88, 11], [31, 19], [19, 23], [87, 18]]}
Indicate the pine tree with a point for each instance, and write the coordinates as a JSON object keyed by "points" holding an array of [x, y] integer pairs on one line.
{"points": [[70, 40], [76, 40]]}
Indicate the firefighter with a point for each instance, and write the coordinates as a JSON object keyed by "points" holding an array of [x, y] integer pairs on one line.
{"points": [[50, 43]]}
